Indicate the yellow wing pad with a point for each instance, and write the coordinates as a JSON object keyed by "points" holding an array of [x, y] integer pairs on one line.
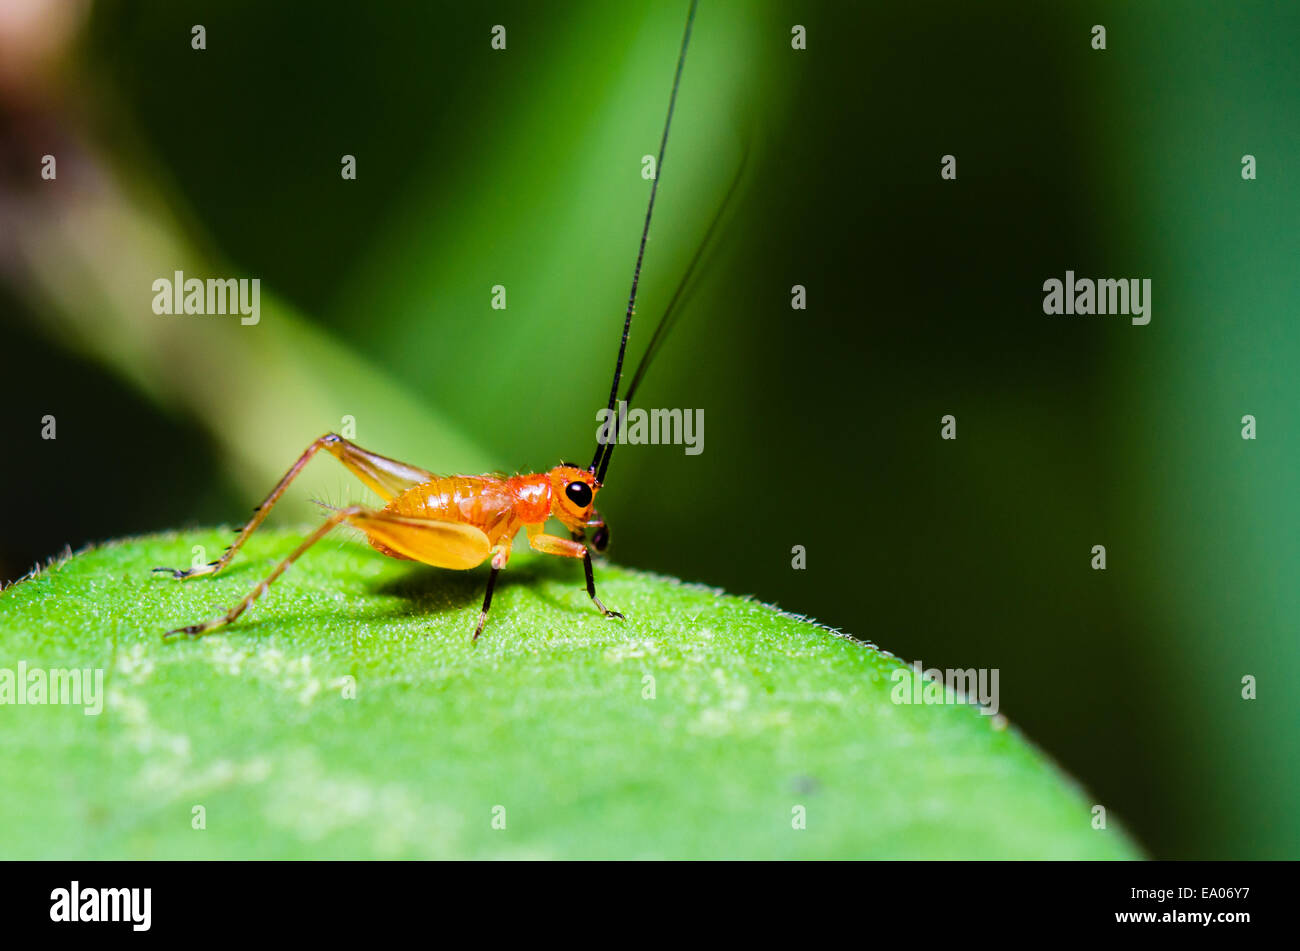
{"points": [[431, 542]]}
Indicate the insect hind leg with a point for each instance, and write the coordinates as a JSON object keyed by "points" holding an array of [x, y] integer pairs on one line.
{"points": [[387, 477], [198, 630]]}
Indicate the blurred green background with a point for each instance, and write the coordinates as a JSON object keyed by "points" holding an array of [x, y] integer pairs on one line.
{"points": [[522, 167]]}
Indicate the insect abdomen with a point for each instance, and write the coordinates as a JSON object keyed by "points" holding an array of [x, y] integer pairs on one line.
{"points": [[483, 502]]}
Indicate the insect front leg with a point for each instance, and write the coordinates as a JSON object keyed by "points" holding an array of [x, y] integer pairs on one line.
{"points": [[554, 545]]}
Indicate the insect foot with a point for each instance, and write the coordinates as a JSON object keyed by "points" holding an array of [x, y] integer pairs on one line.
{"points": [[183, 573], [193, 630]]}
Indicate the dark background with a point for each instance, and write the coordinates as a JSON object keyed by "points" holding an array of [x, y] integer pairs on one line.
{"points": [[522, 167]]}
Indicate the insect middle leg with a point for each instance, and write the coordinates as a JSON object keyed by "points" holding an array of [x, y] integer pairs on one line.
{"points": [[554, 545], [500, 557], [385, 476]]}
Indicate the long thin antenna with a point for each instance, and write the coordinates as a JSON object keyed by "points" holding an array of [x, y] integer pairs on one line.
{"points": [[679, 297], [645, 230]]}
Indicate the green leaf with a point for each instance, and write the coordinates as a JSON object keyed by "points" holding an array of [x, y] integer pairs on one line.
{"points": [[697, 728]]}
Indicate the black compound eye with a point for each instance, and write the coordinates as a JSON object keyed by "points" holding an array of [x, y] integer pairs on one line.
{"points": [[579, 494]]}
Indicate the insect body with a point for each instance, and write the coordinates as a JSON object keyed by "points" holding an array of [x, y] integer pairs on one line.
{"points": [[461, 521], [444, 521]]}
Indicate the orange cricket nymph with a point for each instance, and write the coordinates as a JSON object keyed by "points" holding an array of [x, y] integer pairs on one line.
{"points": [[461, 521]]}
